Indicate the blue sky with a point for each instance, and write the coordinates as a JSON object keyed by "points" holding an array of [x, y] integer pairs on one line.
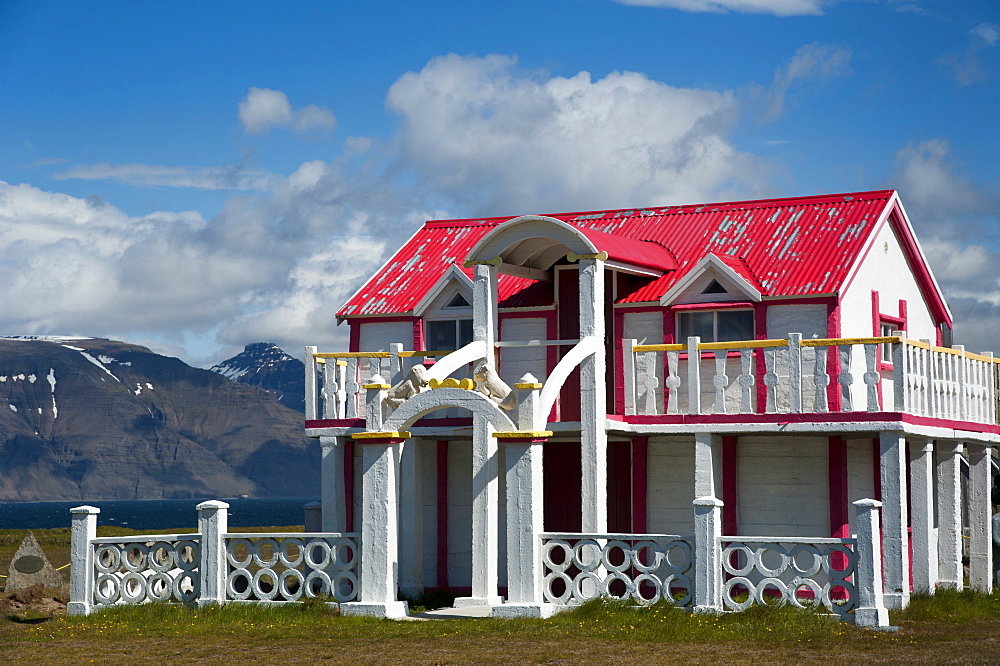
{"points": [[197, 176]]}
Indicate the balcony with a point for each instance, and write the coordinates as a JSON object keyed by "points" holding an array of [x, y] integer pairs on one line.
{"points": [[835, 379]]}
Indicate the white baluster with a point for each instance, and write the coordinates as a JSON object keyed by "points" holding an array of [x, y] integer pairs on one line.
{"points": [[821, 380], [353, 387], [694, 375], [720, 380], [628, 371], [329, 391], [771, 379], [649, 403], [961, 390], [872, 376], [746, 381], [672, 383], [899, 374], [845, 378], [795, 372]]}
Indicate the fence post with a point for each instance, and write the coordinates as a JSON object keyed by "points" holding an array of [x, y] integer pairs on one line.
{"points": [[963, 378], [310, 383], [213, 522], [81, 572], [707, 555], [313, 517], [694, 375], [870, 610]]}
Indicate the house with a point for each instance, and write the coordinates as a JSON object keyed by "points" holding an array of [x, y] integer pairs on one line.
{"points": [[547, 408]]}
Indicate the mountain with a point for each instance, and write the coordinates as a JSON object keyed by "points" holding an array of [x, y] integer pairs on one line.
{"points": [[100, 419], [266, 366]]}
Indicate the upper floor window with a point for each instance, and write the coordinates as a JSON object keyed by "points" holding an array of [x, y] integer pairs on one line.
{"points": [[715, 325], [888, 329], [448, 334]]}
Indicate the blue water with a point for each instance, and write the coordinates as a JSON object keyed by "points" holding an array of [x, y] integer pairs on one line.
{"points": [[152, 514]]}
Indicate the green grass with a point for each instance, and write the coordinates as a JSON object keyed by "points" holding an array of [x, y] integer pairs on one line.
{"points": [[951, 606]]}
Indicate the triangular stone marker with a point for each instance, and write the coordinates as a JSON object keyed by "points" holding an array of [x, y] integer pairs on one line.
{"points": [[29, 566]]}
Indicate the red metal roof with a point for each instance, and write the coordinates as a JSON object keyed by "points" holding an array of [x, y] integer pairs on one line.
{"points": [[801, 246]]}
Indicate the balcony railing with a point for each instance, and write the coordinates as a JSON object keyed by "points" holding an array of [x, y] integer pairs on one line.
{"points": [[777, 376]]}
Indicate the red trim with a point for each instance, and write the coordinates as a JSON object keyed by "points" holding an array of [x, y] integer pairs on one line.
{"points": [[877, 468], [730, 490], [626, 307], [640, 451], [810, 300], [669, 337], [726, 305], [442, 513], [527, 314], [449, 422], [418, 335], [618, 324], [876, 324], [921, 271], [760, 333], [380, 319], [354, 343], [810, 417], [349, 485], [839, 497]]}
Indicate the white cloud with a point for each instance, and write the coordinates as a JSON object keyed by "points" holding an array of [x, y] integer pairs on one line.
{"points": [[501, 141], [263, 108], [234, 177], [811, 61], [956, 220], [988, 32], [777, 7]]}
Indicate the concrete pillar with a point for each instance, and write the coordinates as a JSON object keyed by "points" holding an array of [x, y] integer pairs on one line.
{"points": [[980, 516], [707, 465], [379, 532], [524, 524], [707, 555], [213, 523], [949, 479], [895, 540], [593, 410], [333, 491], [83, 530], [924, 532], [485, 517], [870, 610], [484, 308], [411, 519], [313, 515]]}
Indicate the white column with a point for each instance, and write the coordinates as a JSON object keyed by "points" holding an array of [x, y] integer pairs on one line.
{"points": [[311, 391], [332, 491], [949, 480], [213, 522], [484, 308], [707, 555], [81, 581], [707, 464], [593, 410], [485, 517], [379, 525], [525, 505], [870, 610], [411, 520], [895, 540], [924, 533], [980, 515]]}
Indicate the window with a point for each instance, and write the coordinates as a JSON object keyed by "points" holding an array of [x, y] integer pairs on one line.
{"points": [[888, 329], [715, 325], [448, 334]]}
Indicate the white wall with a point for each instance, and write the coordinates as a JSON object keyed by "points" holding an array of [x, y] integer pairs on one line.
{"points": [[670, 485], [515, 362], [885, 270], [378, 337], [860, 473], [460, 513], [783, 486], [647, 329]]}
